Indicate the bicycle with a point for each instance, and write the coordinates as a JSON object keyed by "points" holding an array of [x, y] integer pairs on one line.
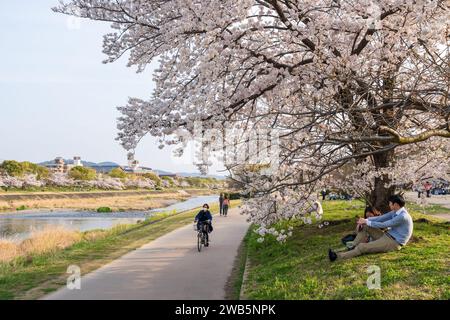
{"points": [[202, 236]]}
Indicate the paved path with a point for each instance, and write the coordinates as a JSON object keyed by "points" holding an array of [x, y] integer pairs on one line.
{"points": [[169, 267], [442, 200]]}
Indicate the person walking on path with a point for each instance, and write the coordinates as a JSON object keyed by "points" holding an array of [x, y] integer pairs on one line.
{"points": [[225, 205], [324, 194], [221, 204], [428, 186]]}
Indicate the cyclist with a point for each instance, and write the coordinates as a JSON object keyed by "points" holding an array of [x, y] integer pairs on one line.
{"points": [[204, 217]]}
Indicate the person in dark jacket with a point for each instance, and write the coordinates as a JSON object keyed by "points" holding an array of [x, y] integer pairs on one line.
{"points": [[221, 203], [204, 217]]}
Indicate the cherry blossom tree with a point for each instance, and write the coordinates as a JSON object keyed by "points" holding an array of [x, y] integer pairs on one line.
{"points": [[12, 182], [2, 183], [140, 183], [31, 180], [60, 180], [107, 183], [358, 83]]}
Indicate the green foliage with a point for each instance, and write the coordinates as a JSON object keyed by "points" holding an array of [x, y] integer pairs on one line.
{"points": [[21, 208], [12, 168], [234, 195], [18, 169], [104, 210], [118, 173], [200, 182], [82, 173]]}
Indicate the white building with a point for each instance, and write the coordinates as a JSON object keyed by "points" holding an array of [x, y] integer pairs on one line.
{"points": [[77, 161]]}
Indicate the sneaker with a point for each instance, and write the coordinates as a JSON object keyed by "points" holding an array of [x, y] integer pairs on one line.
{"points": [[332, 255]]}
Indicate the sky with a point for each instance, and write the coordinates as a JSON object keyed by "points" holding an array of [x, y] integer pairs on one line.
{"points": [[57, 98]]}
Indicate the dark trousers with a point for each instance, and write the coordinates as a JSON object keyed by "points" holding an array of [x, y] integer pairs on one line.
{"points": [[221, 208], [225, 210]]}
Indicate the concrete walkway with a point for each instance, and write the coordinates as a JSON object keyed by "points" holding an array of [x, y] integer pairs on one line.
{"points": [[169, 267], [442, 200]]}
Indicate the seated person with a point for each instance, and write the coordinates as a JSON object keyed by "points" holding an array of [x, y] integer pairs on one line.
{"points": [[368, 213], [204, 217], [399, 227]]}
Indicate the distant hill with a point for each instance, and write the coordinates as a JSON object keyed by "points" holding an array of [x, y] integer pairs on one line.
{"points": [[107, 164]]}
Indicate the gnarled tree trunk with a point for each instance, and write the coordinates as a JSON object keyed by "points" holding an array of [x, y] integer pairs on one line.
{"points": [[380, 194]]}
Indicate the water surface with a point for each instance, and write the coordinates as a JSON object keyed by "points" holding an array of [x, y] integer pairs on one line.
{"points": [[19, 226]]}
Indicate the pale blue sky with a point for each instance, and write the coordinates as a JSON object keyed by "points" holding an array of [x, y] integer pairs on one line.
{"points": [[56, 96]]}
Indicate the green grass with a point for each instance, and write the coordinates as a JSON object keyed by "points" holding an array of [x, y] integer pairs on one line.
{"points": [[33, 277], [300, 269], [235, 281]]}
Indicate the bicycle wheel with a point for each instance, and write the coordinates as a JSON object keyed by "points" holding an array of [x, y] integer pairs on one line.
{"points": [[199, 241]]}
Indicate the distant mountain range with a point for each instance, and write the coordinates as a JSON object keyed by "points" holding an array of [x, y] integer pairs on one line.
{"points": [[159, 172]]}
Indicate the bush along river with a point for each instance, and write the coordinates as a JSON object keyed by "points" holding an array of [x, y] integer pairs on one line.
{"points": [[19, 226]]}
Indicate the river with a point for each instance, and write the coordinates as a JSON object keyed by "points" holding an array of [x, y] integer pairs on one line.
{"points": [[19, 226]]}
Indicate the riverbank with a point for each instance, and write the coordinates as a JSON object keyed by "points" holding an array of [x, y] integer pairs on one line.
{"points": [[35, 276], [300, 270], [116, 200]]}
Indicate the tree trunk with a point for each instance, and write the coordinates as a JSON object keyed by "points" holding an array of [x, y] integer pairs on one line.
{"points": [[380, 194]]}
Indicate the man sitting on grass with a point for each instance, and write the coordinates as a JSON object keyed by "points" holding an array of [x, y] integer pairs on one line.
{"points": [[399, 226]]}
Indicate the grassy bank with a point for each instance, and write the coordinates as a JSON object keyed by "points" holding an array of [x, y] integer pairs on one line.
{"points": [[30, 277], [236, 279], [300, 269]]}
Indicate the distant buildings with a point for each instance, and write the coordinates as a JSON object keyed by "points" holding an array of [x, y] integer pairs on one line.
{"points": [[77, 161], [59, 165]]}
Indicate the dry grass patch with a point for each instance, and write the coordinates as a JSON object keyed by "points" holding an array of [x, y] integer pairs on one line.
{"points": [[43, 241]]}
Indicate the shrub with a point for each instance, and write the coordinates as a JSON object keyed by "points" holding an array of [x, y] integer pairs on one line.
{"points": [[18, 169], [12, 168], [104, 210], [21, 208], [82, 173], [33, 169], [118, 173]]}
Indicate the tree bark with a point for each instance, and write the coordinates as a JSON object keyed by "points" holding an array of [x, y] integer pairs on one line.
{"points": [[380, 193]]}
